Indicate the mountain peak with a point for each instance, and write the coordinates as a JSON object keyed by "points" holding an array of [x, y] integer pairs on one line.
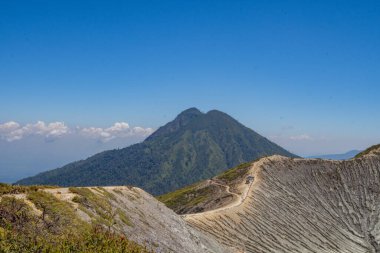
{"points": [[188, 115], [218, 114], [192, 147], [214, 111], [191, 111], [180, 121]]}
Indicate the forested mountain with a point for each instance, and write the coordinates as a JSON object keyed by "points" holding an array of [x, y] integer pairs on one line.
{"points": [[192, 147]]}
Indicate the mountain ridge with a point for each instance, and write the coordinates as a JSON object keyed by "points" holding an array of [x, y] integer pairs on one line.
{"points": [[301, 205], [344, 156], [210, 194], [192, 147]]}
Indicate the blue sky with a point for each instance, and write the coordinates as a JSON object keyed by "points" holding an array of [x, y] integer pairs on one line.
{"points": [[303, 73]]}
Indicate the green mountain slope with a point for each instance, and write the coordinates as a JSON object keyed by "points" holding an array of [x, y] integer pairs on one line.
{"points": [[193, 147]]}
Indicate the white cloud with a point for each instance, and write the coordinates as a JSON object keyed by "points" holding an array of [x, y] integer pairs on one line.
{"points": [[118, 130], [51, 130], [293, 138], [10, 131], [302, 137], [9, 126], [13, 131]]}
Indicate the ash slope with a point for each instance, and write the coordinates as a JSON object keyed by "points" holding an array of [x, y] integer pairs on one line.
{"points": [[303, 205], [128, 211], [193, 147]]}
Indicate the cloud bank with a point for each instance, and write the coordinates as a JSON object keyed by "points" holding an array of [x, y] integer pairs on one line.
{"points": [[302, 137], [295, 138], [13, 131], [118, 130]]}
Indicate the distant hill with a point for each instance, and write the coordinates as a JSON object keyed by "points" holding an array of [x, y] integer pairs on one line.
{"points": [[192, 147], [345, 156]]}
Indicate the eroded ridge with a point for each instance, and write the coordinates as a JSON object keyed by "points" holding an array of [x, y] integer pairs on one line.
{"points": [[303, 205], [127, 212]]}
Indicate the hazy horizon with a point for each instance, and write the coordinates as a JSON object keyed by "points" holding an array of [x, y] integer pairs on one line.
{"points": [[33, 148]]}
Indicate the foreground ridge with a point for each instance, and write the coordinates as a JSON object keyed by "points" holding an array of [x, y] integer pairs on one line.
{"points": [[303, 205], [129, 214]]}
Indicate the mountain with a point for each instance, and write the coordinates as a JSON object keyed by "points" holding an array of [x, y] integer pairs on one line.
{"points": [[280, 204], [348, 155], [192, 147]]}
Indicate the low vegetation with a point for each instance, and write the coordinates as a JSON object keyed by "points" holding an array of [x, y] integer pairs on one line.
{"points": [[46, 224], [101, 205], [98, 203], [19, 189], [201, 193], [367, 151], [186, 197], [124, 218], [235, 173]]}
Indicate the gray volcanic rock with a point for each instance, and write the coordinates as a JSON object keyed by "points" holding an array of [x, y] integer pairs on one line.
{"points": [[135, 214], [303, 205]]}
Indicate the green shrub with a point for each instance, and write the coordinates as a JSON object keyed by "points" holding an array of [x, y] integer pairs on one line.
{"points": [[94, 240], [235, 172], [124, 218], [18, 189], [99, 203]]}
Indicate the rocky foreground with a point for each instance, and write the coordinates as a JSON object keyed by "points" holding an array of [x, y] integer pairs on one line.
{"points": [[303, 205], [123, 210]]}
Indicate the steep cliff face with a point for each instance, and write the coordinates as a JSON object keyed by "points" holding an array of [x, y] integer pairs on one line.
{"points": [[303, 205]]}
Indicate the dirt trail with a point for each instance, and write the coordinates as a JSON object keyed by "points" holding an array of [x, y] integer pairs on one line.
{"points": [[238, 199]]}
